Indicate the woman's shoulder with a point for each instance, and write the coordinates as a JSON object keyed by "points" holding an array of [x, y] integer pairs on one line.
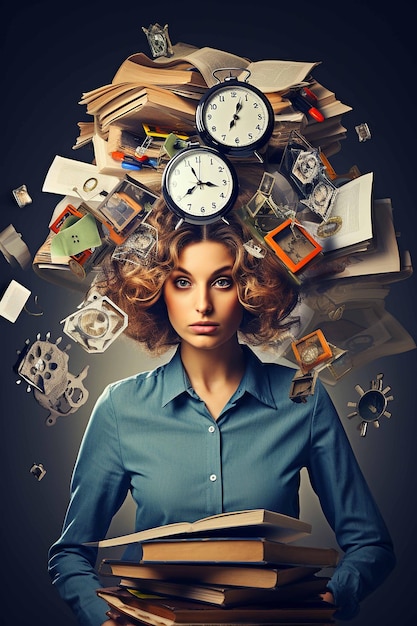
{"points": [[280, 373], [136, 380], [149, 381]]}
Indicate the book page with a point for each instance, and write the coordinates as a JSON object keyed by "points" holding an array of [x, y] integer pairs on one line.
{"points": [[386, 256], [133, 70], [264, 522], [68, 177], [274, 75], [334, 108], [268, 75], [205, 60], [353, 206]]}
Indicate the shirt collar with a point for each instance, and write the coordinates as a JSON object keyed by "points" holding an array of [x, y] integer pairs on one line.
{"points": [[255, 380]]}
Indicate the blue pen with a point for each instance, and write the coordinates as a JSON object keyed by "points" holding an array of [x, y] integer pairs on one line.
{"points": [[131, 165], [127, 162]]}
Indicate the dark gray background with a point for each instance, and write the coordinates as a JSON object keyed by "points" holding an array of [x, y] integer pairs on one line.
{"points": [[51, 53]]}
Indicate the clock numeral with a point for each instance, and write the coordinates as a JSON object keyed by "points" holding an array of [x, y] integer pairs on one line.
{"points": [[213, 106], [202, 210], [237, 141]]}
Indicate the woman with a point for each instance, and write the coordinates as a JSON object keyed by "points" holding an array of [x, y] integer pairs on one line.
{"points": [[214, 429]]}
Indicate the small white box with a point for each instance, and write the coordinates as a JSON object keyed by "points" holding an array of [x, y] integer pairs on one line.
{"points": [[13, 301]]}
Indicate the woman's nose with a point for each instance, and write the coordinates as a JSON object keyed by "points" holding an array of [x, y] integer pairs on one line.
{"points": [[203, 306]]}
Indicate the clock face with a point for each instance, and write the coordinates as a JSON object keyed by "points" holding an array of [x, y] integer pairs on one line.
{"points": [[235, 117], [199, 185]]}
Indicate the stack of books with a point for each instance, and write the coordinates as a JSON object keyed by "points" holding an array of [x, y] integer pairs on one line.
{"points": [[164, 94], [236, 568]]}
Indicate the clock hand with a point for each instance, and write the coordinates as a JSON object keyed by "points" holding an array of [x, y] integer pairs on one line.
{"points": [[235, 114], [193, 171], [190, 190], [209, 184]]}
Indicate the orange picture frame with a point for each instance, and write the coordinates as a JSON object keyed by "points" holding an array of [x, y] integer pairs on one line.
{"points": [[311, 350], [293, 245]]}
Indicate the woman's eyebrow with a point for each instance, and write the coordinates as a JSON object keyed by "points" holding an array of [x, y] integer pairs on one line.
{"points": [[181, 270], [221, 270]]}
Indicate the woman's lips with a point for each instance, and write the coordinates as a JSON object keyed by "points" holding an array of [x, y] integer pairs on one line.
{"points": [[204, 327]]}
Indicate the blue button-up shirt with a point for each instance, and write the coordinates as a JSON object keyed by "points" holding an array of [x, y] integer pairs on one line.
{"points": [[152, 435]]}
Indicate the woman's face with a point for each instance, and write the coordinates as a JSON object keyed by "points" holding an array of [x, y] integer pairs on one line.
{"points": [[201, 296]]}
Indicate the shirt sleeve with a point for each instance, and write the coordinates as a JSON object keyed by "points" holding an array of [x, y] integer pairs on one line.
{"points": [[350, 509], [99, 487]]}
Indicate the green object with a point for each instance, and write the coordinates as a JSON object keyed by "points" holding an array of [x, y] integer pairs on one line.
{"points": [[79, 236]]}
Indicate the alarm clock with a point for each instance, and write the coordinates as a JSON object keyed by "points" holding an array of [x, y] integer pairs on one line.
{"points": [[235, 117], [199, 185]]}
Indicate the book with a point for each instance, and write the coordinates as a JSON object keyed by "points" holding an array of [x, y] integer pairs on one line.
{"points": [[256, 521], [150, 177], [352, 208], [382, 259], [120, 140], [149, 104], [268, 75], [85, 134], [166, 611], [227, 596], [135, 69], [328, 133], [236, 550], [189, 72], [209, 574]]}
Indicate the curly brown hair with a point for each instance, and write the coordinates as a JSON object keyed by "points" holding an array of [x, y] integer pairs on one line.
{"points": [[267, 294]]}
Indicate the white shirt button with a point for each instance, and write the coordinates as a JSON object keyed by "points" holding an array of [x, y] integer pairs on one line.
{"points": [[211, 429], [213, 477]]}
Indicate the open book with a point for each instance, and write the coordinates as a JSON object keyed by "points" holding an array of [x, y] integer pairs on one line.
{"points": [[352, 209], [383, 259], [268, 75], [135, 69], [258, 522]]}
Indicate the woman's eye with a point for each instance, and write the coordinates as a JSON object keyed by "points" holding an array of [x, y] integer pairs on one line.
{"points": [[224, 282], [182, 283]]}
